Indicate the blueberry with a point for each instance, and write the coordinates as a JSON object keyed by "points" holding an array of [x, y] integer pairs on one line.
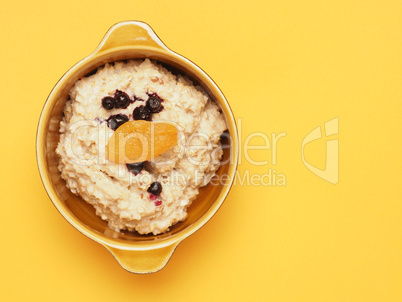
{"points": [[135, 168], [122, 99], [108, 102], [154, 104], [142, 113], [155, 188], [115, 121]]}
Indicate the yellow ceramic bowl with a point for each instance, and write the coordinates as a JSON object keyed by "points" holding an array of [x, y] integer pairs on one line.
{"points": [[136, 253]]}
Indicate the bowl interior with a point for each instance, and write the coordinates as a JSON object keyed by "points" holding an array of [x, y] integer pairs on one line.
{"points": [[210, 196]]}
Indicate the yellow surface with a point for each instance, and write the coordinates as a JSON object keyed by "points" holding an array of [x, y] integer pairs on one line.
{"points": [[286, 67]]}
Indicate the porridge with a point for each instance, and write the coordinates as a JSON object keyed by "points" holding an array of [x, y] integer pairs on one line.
{"points": [[151, 192]]}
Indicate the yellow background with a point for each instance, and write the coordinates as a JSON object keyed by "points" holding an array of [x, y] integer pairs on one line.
{"points": [[285, 66]]}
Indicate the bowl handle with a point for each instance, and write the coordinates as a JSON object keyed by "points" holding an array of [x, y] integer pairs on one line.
{"points": [[143, 261], [129, 33]]}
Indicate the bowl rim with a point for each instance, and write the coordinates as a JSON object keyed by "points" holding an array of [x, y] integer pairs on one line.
{"points": [[96, 56]]}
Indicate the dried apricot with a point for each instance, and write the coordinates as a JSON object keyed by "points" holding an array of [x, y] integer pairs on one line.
{"points": [[138, 141]]}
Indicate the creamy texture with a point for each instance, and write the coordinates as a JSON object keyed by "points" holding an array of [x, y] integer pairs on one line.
{"points": [[119, 196]]}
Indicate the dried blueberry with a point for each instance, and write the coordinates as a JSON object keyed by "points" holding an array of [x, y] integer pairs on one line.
{"points": [[122, 99], [155, 188], [142, 113], [115, 121], [135, 168], [108, 102], [154, 104]]}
